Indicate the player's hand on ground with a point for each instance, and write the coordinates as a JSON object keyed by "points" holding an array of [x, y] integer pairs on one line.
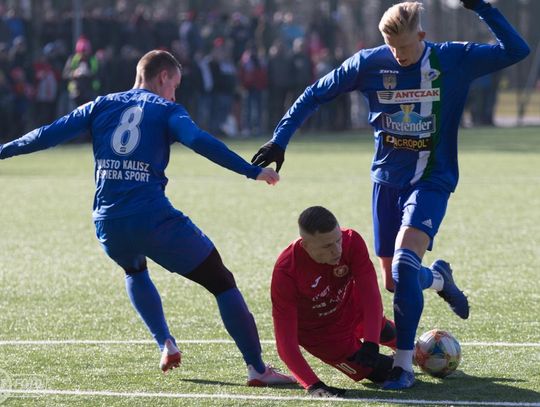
{"points": [[471, 4], [269, 153], [367, 355], [320, 389], [268, 175]]}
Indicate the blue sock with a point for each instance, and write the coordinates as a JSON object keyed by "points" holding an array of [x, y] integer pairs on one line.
{"points": [[145, 299], [425, 277], [240, 324], [408, 298]]}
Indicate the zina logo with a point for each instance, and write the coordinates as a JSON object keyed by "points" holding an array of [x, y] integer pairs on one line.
{"points": [[5, 385]]}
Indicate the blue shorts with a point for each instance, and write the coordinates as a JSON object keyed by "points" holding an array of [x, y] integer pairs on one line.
{"points": [[167, 236], [420, 206]]}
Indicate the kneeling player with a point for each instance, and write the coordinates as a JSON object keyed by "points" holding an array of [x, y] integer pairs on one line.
{"points": [[325, 298]]}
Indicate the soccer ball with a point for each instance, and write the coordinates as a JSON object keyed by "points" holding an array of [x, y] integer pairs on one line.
{"points": [[437, 353]]}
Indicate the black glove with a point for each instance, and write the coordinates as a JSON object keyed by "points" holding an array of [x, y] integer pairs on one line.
{"points": [[472, 4], [268, 153], [320, 389], [367, 355]]}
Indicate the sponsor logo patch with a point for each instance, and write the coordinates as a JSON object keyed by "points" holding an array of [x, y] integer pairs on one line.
{"points": [[408, 122], [391, 97], [407, 143]]}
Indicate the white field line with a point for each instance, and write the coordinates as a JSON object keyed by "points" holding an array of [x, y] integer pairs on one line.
{"points": [[89, 393], [15, 342]]}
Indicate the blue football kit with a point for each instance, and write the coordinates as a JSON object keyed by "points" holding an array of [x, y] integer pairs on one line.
{"points": [[132, 133], [415, 112]]}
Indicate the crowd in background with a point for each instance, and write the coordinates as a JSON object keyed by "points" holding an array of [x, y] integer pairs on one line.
{"points": [[240, 71]]}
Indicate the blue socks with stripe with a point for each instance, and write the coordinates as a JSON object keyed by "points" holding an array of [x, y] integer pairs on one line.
{"points": [[145, 298], [409, 277], [240, 325], [235, 314]]}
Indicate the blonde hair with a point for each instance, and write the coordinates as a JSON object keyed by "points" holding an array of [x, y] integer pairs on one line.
{"points": [[401, 18]]}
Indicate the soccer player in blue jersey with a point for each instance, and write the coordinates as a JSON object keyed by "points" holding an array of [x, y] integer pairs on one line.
{"points": [[131, 133], [416, 92]]}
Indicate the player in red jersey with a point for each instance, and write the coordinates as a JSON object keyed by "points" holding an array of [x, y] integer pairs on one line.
{"points": [[326, 299]]}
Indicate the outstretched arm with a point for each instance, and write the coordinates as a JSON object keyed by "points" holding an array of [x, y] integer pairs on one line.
{"points": [[65, 128], [340, 80], [186, 132], [481, 59]]}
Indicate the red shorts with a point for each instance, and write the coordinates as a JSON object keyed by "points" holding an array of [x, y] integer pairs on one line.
{"points": [[337, 352]]}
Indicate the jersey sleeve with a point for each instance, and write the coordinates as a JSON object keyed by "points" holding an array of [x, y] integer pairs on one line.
{"points": [[186, 132], [63, 129], [368, 287], [285, 314], [481, 59], [341, 80]]}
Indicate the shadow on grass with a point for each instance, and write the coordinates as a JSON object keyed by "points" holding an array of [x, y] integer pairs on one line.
{"points": [[211, 382], [458, 387], [207, 382]]}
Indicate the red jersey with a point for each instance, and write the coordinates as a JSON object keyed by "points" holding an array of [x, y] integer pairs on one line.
{"points": [[314, 303]]}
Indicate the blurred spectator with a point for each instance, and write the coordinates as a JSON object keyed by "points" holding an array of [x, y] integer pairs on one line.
{"points": [[240, 33], [81, 71], [324, 117], [279, 81], [6, 109], [5, 33], [224, 84], [22, 95], [46, 83], [189, 33], [207, 85], [105, 57], [19, 57], [302, 67], [290, 30], [15, 24], [139, 29], [4, 58], [189, 91], [122, 68], [254, 79], [482, 99]]}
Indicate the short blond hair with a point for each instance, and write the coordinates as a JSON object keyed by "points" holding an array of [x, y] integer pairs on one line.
{"points": [[401, 18]]}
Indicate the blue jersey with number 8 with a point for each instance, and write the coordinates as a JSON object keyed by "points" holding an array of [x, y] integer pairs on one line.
{"points": [[131, 133]]}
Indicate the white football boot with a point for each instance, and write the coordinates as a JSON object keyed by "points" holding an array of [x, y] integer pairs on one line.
{"points": [[170, 356], [270, 377]]}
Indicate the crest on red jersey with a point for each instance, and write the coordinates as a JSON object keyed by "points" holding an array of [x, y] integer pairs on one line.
{"points": [[341, 271]]}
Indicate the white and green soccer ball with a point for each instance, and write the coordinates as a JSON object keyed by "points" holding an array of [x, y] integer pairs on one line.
{"points": [[437, 353]]}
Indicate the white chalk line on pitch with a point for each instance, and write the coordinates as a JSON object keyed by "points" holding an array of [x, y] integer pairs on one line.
{"points": [[89, 393], [45, 342]]}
